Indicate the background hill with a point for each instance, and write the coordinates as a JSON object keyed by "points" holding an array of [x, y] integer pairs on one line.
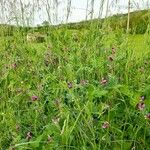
{"points": [[139, 21]]}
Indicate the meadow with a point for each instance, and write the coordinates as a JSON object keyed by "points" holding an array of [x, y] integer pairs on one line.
{"points": [[78, 90]]}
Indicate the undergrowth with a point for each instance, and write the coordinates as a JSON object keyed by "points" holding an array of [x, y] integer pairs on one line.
{"points": [[87, 90]]}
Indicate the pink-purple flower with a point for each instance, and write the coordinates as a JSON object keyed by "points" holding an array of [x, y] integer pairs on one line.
{"points": [[141, 106], [103, 81], [105, 125], [84, 82], [142, 98], [113, 50], [110, 58], [70, 85], [147, 116], [14, 65], [34, 98]]}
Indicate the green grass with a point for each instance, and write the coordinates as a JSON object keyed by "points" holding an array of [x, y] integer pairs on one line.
{"points": [[72, 103], [139, 42]]}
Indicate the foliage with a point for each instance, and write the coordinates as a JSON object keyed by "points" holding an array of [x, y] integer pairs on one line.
{"points": [[79, 89]]}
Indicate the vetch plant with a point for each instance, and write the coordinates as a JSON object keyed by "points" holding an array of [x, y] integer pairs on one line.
{"points": [[34, 98]]}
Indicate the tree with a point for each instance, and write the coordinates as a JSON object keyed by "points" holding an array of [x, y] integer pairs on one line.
{"points": [[128, 20], [68, 9], [45, 23], [92, 8]]}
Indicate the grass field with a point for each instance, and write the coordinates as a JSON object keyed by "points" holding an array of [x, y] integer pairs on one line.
{"points": [[83, 91]]}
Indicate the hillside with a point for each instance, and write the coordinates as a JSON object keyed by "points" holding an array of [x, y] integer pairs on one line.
{"points": [[139, 21]]}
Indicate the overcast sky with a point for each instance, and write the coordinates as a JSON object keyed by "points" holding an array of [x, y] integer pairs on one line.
{"points": [[78, 10]]}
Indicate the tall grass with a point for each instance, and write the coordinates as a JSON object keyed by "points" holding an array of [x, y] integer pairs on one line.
{"points": [[82, 89]]}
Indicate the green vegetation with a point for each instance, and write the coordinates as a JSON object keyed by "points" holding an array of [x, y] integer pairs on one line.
{"points": [[83, 88]]}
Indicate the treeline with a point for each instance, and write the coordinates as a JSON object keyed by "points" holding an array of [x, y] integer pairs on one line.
{"points": [[139, 22]]}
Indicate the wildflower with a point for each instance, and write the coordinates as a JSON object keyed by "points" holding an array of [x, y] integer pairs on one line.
{"points": [[69, 85], [49, 138], [142, 98], [147, 116], [105, 125], [110, 58], [34, 98], [29, 136], [103, 81], [14, 65], [141, 106], [84, 82], [113, 50]]}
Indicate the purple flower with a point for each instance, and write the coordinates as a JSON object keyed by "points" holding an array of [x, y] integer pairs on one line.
{"points": [[142, 98], [147, 116], [84, 82], [141, 106], [113, 50], [110, 58], [105, 125], [14, 65], [34, 98], [103, 81], [70, 85]]}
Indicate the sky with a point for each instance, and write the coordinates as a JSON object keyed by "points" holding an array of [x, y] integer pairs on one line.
{"points": [[78, 9], [77, 13]]}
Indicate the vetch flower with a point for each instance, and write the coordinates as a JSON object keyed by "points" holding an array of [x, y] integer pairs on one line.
{"points": [[103, 81], [14, 65], [110, 58], [34, 98], [113, 50], [141, 106], [105, 125], [142, 98], [84, 82], [147, 116], [70, 85]]}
